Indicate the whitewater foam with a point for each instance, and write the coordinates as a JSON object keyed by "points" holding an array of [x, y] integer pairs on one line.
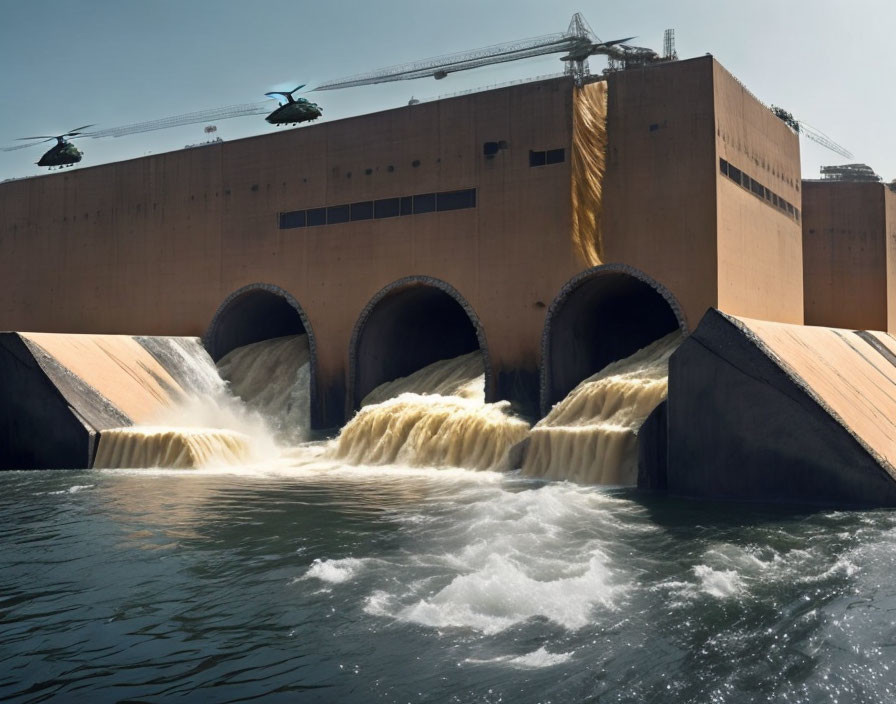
{"points": [[334, 571], [439, 419], [203, 424], [500, 594], [591, 436], [462, 377], [529, 661], [506, 558], [272, 377]]}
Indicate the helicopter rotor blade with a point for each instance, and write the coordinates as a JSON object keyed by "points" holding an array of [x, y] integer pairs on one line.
{"points": [[213, 115], [77, 130], [617, 41], [43, 136], [23, 146]]}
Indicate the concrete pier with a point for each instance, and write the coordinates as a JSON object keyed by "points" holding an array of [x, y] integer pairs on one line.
{"points": [[786, 413]]}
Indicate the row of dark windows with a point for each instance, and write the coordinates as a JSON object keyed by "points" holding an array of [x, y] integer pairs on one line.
{"points": [[376, 209], [551, 156], [758, 190]]}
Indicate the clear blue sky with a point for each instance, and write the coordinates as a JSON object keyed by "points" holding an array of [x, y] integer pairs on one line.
{"points": [[114, 62]]}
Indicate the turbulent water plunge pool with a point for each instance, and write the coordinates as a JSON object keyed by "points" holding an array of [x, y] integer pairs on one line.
{"points": [[311, 581]]}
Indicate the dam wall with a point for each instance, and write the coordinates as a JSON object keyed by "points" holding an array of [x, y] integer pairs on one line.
{"points": [[774, 412], [849, 255], [713, 236], [473, 213]]}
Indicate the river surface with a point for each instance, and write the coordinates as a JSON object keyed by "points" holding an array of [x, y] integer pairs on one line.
{"points": [[308, 581]]}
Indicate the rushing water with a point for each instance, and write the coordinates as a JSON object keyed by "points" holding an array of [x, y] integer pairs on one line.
{"points": [[310, 581]]}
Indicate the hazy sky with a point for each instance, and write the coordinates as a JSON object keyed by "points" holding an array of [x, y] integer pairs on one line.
{"points": [[114, 62]]}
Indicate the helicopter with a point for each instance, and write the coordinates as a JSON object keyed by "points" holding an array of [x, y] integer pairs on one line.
{"points": [[63, 153], [292, 111]]}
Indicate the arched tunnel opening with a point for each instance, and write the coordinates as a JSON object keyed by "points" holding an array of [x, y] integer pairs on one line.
{"points": [[259, 312], [601, 316], [252, 314], [407, 326]]}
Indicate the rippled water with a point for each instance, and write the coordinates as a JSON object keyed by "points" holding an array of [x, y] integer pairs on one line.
{"points": [[313, 582]]}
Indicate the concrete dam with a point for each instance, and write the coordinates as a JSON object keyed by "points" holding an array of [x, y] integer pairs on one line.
{"points": [[600, 284]]}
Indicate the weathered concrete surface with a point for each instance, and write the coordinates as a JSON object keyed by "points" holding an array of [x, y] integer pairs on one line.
{"points": [[653, 448], [849, 255], [777, 412], [61, 391]]}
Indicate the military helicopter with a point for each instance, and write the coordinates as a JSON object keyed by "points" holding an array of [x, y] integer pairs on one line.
{"points": [[292, 111], [63, 153]]}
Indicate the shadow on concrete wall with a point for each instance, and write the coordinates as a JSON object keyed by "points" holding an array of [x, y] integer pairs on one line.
{"points": [[409, 324], [600, 316]]}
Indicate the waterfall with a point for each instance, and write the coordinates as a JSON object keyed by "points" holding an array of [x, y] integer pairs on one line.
{"points": [[272, 377], [436, 417], [205, 419], [591, 436], [176, 448]]}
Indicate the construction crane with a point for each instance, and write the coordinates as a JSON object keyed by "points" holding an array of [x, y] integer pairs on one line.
{"points": [[810, 132], [578, 43]]}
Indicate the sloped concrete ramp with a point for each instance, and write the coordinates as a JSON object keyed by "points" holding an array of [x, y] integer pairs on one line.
{"points": [[60, 391], [788, 413]]}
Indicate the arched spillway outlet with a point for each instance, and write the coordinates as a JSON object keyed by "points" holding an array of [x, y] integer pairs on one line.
{"points": [[606, 346], [602, 315], [419, 366], [262, 341], [408, 325]]}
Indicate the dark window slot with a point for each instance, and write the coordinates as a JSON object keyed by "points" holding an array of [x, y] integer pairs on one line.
{"points": [[317, 216], [386, 208], [383, 208], [555, 156], [537, 158], [337, 214], [456, 200], [424, 203], [295, 218], [362, 210], [758, 189]]}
